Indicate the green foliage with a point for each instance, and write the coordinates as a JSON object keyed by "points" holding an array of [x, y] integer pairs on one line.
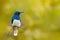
{"points": [[40, 20]]}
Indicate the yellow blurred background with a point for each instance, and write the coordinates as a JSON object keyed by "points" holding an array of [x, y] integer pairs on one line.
{"points": [[40, 20]]}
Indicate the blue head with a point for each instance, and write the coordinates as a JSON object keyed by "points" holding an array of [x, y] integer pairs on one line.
{"points": [[16, 15]]}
